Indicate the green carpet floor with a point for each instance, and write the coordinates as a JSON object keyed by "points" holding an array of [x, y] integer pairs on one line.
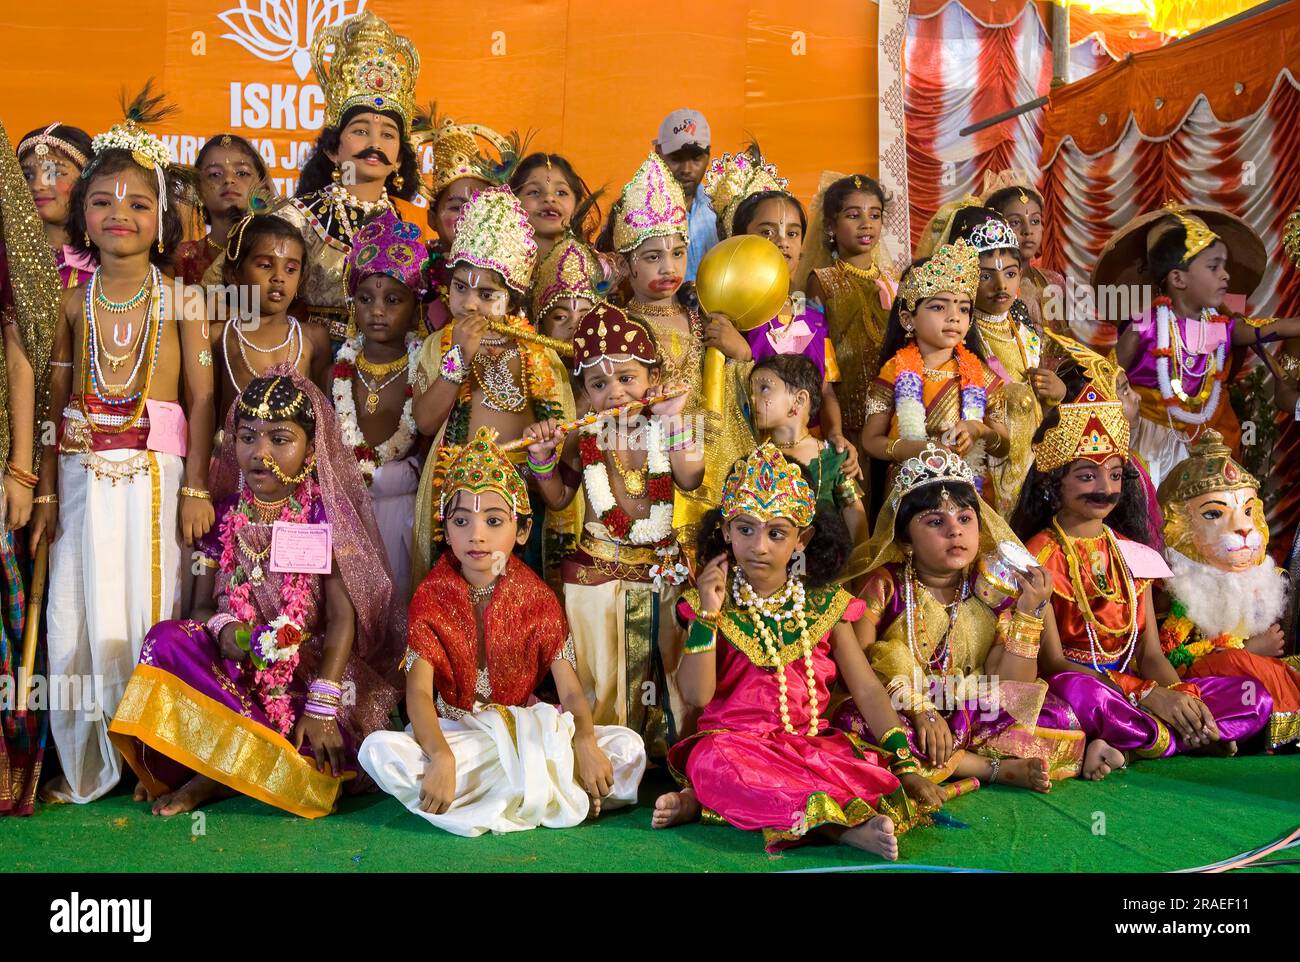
{"points": [[1156, 816]]}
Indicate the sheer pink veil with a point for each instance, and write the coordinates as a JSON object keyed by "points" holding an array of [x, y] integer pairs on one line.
{"points": [[358, 548]]}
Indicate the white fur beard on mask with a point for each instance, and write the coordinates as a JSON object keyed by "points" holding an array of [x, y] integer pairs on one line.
{"points": [[1241, 603]]}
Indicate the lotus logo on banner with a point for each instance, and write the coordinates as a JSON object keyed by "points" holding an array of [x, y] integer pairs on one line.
{"points": [[278, 29]]}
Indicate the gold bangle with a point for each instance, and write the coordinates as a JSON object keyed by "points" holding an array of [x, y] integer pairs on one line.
{"points": [[46, 499], [709, 617], [1021, 647], [25, 478], [889, 449], [195, 493]]}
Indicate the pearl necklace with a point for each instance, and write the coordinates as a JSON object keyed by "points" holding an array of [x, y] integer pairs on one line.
{"points": [[773, 608], [942, 655], [294, 327]]}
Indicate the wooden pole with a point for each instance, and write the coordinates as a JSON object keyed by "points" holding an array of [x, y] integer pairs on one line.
{"points": [[32, 624]]}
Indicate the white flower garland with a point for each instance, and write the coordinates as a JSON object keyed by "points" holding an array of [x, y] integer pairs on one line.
{"points": [[399, 445], [1165, 322], [659, 525]]}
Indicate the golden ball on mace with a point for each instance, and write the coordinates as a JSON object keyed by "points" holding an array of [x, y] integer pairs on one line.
{"points": [[745, 278]]}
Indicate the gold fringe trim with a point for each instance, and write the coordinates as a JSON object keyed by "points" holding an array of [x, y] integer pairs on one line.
{"points": [[162, 712]]}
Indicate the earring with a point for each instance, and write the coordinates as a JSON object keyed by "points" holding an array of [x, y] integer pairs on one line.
{"points": [[398, 182], [160, 246], [338, 177], [86, 237]]}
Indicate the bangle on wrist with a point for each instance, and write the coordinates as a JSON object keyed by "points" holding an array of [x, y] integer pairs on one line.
{"points": [[198, 493], [23, 477], [218, 623], [46, 499]]}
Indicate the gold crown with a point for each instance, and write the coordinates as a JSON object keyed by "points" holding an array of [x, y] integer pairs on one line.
{"points": [[571, 269], [369, 65], [478, 467], [651, 205], [1291, 237], [459, 151], [493, 233], [1199, 235], [1002, 179], [766, 486], [934, 465], [732, 179], [1209, 466], [954, 268], [1092, 428]]}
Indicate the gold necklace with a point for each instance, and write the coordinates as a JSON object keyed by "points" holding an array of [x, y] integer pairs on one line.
{"points": [[255, 575], [269, 511], [793, 444], [642, 309], [378, 372], [871, 273], [1072, 561], [634, 479]]}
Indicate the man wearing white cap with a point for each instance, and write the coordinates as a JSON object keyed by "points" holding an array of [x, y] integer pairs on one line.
{"points": [[683, 143]]}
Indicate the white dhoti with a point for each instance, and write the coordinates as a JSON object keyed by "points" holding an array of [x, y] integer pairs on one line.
{"points": [[514, 769], [1161, 447], [115, 569], [393, 493]]}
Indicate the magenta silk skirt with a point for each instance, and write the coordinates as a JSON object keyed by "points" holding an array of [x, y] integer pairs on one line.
{"points": [[787, 785], [188, 709], [1240, 709]]}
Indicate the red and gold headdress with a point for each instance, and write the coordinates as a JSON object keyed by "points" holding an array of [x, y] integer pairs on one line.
{"points": [[765, 486], [369, 66], [953, 268], [1092, 428], [606, 332], [477, 468], [652, 205], [732, 179]]}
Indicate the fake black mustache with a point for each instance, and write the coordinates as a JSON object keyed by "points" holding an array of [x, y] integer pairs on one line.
{"points": [[1107, 500], [374, 152]]}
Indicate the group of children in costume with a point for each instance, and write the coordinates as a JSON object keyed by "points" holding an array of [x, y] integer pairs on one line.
{"points": [[466, 477]]}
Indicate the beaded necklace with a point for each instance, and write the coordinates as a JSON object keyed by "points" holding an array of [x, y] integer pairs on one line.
{"points": [[90, 357], [1091, 624], [774, 608]]}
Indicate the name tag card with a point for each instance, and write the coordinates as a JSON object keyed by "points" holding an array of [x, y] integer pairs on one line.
{"points": [[302, 548], [168, 431]]}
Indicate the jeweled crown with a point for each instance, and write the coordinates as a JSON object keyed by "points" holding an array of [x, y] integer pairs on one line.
{"points": [[369, 65], [478, 467], [571, 269], [993, 235], [390, 246], [953, 268], [651, 205], [493, 233], [934, 465], [765, 486], [732, 179], [1093, 427], [467, 150]]}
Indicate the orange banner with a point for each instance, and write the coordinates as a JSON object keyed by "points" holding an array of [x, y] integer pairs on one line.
{"points": [[592, 78]]}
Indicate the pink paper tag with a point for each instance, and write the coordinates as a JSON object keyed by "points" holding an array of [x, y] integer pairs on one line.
{"points": [[168, 431], [1202, 337], [1143, 562], [302, 548], [791, 339]]}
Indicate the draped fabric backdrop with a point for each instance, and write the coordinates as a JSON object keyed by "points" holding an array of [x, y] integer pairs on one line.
{"points": [[968, 60], [1213, 119]]}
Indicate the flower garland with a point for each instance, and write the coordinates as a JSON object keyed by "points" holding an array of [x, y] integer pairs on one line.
{"points": [[1176, 631], [652, 530], [909, 397], [271, 683], [1215, 372], [371, 458]]}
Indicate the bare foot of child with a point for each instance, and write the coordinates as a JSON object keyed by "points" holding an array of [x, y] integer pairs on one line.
{"points": [[876, 835], [1028, 773], [1100, 760], [141, 793], [675, 808], [197, 791]]}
